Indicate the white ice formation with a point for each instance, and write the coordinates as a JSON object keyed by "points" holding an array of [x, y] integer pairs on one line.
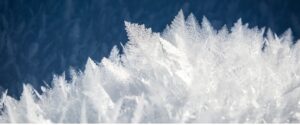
{"points": [[188, 73]]}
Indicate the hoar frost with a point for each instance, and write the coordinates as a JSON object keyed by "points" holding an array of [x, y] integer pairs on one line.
{"points": [[188, 73]]}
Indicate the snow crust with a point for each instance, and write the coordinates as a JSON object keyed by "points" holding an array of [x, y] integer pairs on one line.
{"points": [[188, 73]]}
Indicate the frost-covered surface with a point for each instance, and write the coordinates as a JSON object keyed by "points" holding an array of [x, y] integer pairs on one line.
{"points": [[46, 37], [188, 73]]}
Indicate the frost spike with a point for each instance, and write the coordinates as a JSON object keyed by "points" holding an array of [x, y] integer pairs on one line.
{"points": [[137, 34], [206, 26], [192, 23], [287, 37], [178, 22], [114, 55]]}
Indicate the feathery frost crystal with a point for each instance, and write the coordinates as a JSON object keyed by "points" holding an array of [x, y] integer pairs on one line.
{"points": [[188, 73]]}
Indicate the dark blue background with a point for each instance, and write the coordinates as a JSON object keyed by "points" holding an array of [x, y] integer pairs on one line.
{"points": [[39, 38]]}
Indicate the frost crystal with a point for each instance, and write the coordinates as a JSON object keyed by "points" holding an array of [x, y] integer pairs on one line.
{"points": [[188, 73]]}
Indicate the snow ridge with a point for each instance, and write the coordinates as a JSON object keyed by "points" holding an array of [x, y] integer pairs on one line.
{"points": [[187, 73]]}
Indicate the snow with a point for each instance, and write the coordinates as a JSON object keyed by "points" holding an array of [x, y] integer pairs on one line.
{"points": [[188, 73]]}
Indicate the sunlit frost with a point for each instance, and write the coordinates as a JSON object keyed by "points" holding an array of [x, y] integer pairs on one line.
{"points": [[188, 73]]}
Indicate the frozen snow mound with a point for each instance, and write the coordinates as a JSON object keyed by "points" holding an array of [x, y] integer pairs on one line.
{"points": [[189, 73]]}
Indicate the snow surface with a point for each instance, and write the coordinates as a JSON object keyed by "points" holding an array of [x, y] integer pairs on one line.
{"points": [[188, 73]]}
